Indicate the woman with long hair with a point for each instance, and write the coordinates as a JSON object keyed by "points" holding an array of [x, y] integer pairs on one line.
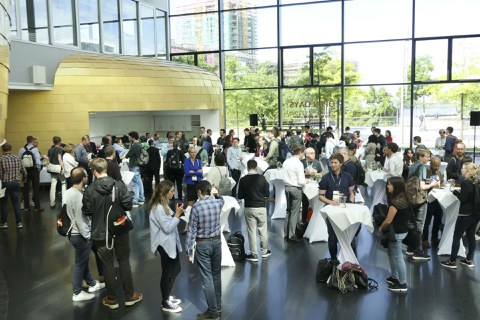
{"points": [[467, 220], [261, 150], [397, 218], [166, 241], [388, 136], [408, 161]]}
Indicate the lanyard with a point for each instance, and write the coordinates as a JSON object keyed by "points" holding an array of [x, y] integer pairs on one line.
{"points": [[337, 184]]}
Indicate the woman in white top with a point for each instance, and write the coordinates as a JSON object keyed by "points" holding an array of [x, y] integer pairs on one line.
{"points": [[166, 241], [69, 162]]}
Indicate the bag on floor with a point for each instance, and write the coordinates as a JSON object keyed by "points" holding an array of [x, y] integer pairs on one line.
{"points": [[342, 281], [64, 223], [362, 281], [324, 270], [236, 245]]}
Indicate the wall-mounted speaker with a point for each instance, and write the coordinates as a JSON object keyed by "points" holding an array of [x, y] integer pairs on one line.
{"points": [[474, 118], [254, 120]]}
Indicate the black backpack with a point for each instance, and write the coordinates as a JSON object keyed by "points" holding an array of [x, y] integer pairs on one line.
{"points": [[283, 151], [360, 177], [236, 245], [64, 223], [174, 161]]}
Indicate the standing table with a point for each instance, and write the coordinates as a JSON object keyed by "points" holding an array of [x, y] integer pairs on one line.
{"points": [[450, 205], [345, 222], [275, 178], [317, 228], [376, 180]]}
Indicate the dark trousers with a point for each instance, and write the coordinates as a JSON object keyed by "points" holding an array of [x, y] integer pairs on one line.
{"points": [[149, 175], [33, 177], [333, 240], [12, 190], [176, 177], [121, 249], [235, 173], [433, 210], [305, 206], [80, 270], [464, 224], [209, 258], [98, 261], [170, 270]]}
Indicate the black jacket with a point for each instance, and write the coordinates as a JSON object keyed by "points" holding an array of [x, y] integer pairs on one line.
{"points": [[254, 189], [153, 159], [466, 196], [96, 202]]}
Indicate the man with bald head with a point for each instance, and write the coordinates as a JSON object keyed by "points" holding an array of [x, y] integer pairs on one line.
{"points": [[433, 208]]}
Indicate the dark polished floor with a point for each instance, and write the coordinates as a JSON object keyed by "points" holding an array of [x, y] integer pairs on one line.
{"points": [[36, 269]]}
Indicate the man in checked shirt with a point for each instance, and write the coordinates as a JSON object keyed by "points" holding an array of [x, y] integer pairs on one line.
{"points": [[204, 230]]}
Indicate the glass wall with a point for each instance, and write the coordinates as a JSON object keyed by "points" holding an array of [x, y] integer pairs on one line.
{"points": [[395, 64], [89, 26], [106, 26]]}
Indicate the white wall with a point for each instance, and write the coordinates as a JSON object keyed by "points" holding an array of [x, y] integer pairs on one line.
{"points": [[120, 123]]}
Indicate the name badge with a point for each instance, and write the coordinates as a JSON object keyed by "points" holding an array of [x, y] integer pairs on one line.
{"points": [[194, 178], [336, 196]]}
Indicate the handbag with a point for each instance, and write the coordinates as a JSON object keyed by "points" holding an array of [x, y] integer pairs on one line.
{"points": [[324, 270], [362, 281], [118, 221], [54, 168], [340, 280]]}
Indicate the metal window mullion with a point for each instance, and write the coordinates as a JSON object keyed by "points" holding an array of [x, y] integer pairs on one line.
{"points": [[139, 30], [412, 72], [100, 25], [449, 59], [50, 22], [279, 67], [342, 68], [120, 26], [76, 23]]}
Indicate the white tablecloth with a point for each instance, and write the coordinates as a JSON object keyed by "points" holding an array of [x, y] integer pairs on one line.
{"points": [[450, 205], [275, 178], [317, 228], [230, 203], [440, 153], [376, 180], [345, 222]]}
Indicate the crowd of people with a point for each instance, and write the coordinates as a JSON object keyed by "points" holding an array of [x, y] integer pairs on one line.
{"points": [[85, 176]]}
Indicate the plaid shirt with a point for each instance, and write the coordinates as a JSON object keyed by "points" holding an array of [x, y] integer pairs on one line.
{"points": [[204, 220], [11, 168]]}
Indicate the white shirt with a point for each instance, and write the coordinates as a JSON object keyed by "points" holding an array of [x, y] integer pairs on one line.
{"points": [[68, 164], [395, 164], [293, 173], [329, 146]]}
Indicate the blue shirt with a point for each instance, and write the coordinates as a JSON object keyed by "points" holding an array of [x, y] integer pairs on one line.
{"points": [[204, 220], [330, 182], [188, 166], [422, 172], [35, 152], [350, 167]]}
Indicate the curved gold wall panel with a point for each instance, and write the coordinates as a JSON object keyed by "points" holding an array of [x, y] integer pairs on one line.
{"points": [[86, 82]]}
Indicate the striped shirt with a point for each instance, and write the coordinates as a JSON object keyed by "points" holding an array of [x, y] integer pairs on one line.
{"points": [[204, 220], [11, 168]]}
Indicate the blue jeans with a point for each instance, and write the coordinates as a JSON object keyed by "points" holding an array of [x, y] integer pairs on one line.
{"points": [[137, 185], [395, 257], [209, 259], [80, 270], [12, 190]]}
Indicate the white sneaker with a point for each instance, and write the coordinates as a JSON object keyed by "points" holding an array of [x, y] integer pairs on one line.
{"points": [[170, 307], [3, 225], [98, 286], [83, 296], [174, 300], [477, 237]]}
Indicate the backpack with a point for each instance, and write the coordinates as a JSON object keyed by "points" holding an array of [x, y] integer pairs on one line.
{"points": [[236, 245], [225, 185], [143, 159], [117, 220], [415, 195], [174, 162], [28, 159], [64, 223], [283, 151], [360, 177]]}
